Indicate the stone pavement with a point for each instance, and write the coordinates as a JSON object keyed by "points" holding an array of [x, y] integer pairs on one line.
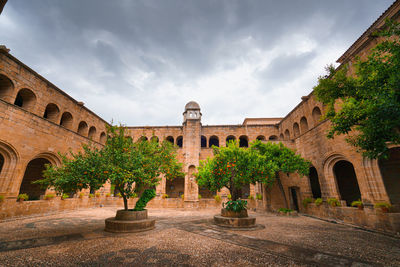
{"points": [[188, 238]]}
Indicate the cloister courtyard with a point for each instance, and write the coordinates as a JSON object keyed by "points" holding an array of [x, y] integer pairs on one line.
{"points": [[189, 238]]}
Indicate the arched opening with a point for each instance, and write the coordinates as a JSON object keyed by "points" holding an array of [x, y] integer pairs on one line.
{"points": [[347, 181], [25, 99], [390, 170], [103, 138], [203, 141], [316, 114], [129, 137], [281, 137], [230, 138], [170, 139], [296, 129], [243, 141], [303, 125], [244, 191], [175, 187], [154, 139], [92, 132], [1, 162], [179, 141], [261, 138], [82, 128], [6, 88], [213, 141], [142, 139], [51, 112], [8, 161], [33, 172], [66, 120], [314, 183], [287, 135], [273, 138]]}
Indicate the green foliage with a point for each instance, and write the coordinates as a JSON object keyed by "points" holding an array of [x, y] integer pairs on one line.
{"points": [[250, 197], [333, 202], [108, 195], [217, 198], [119, 195], [367, 104], [357, 203], [229, 196], [148, 194], [259, 196], [383, 205], [307, 201], [318, 201], [199, 196], [183, 196], [49, 196], [91, 196], [1, 198], [235, 205], [285, 210], [64, 196], [97, 194], [23, 197], [165, 196]]}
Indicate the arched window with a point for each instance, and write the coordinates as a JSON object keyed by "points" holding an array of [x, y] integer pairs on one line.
{"points": [[316, 114], [179, 141], [314, 183], [347, 181], [390, 170], [66, 120], [213, 141], [230, 138], [296, 129], [142, 139], [170, 139], [103, 138], [25, 99], [261, 137], [33, 172], [273, 138], [281, 137], [303, 125], [92, 132], [51, 112], [287, 135], [6, 88], [203, 141], [243, 141], [82, 128], [175, 188]]}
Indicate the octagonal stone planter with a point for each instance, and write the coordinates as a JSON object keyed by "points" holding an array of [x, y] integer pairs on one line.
{"points": [[235, 219], [129, 221]]}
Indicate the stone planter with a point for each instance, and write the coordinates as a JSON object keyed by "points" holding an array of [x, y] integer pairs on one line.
{"points": [[233, 214], [233, 219], [129, 221]]}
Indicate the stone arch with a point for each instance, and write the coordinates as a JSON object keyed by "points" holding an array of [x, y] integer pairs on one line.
{"points": [[296, 129], [92, 132], [213, 141], [203, 141], [25, 99], [273, 138], [390, 171], [229, 138], [287, 135], [243, 141], [51, 112], [83, 128], [281, 137], [170, 139], [103, 138], [316, 114], [66, 120], [33, 172], [6, 88], [9, 162], [303, 125], [142, 139], [261, 138], [175, 188], [179, 141], [314, 183], [346, 180]]}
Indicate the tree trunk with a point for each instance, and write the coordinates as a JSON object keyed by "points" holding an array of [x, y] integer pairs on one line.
{"points": [[267, 198], [125, 202], [278, 180]]}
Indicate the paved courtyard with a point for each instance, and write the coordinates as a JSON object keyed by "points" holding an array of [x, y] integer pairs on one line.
{"points": [[188, 238]]}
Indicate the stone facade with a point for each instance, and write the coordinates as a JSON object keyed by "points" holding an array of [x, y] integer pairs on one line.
{"points": [[37, 120]]}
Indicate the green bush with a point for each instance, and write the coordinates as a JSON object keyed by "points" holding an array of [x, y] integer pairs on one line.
{"points": [[91, 195], [64, 196], [229, 196], [284, 210], [217, 198], [357, 203], [333, 202], [250, 197], [147, 195], [384, 206], [258, 196], [108, 195], [307, 201], [199, 196], [183, 196], [165, 196], [119, 195], [97, 194], [81, 194], [49, 196], [236, 206], [23, 197], [1, 198], [318, 201]]}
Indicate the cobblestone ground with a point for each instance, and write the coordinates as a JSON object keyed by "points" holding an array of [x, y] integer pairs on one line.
{"points": [[188, 238]]}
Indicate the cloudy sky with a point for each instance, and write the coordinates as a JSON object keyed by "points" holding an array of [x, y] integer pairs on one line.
{"points": [[139, 62]]}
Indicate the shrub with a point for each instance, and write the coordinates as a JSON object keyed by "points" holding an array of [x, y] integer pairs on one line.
{"points": [[357, 203], [217, 198], [183, 196], [318, 201], [258, 196], [49, 196], [108, 195], [199, 196], [333, 202], [119, 195], [147, 195], [23, 197], [384, 206], [236, 206], [165, 196], [91, 195], [229, 196], [250, 197], [81, 194], [64, 196], [134, 195], [284, 210], [306, 201], [97, 194], [1, 198]]}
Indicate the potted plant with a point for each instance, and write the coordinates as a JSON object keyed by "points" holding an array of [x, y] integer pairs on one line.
{"points": [[217, 198], [306, 201], [81, 195], [199, 196], [22, 197], [64, 196], [108, 195], [91, 196], [333, 202], [318, 202], [1, 199], [165, 196], [97, 194], [250, 197], [49, 196], [259, 196], [383, 206], [358, 204]]}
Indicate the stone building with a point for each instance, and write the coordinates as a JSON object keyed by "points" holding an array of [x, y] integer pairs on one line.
{"points": [[37, 120]]}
